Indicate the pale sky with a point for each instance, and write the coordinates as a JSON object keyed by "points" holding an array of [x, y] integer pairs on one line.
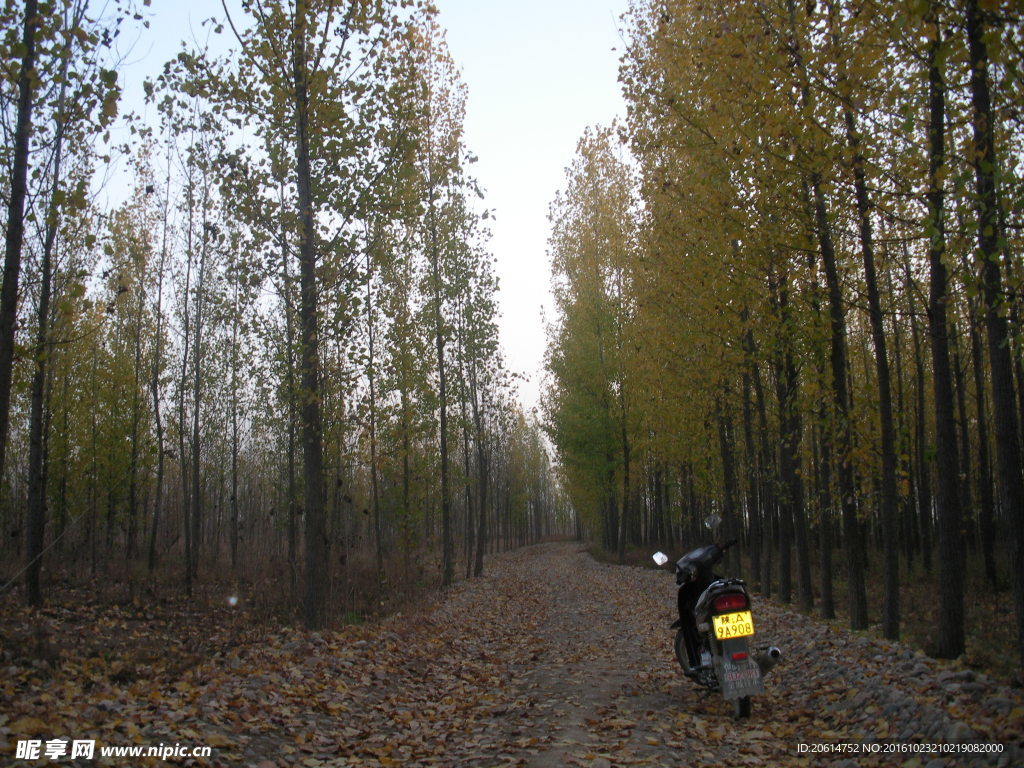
{"points": [[538, 73]]}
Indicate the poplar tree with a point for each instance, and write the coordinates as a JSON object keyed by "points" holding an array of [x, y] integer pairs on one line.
{"points": [[317, 71]]}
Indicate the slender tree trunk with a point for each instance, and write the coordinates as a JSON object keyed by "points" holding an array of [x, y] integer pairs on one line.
{"points": [[197, 395], [951, 598], [371, 379], [964, 455], [841, 397], [888, 507], [767, 476], [36, 477], [316, 566], [824, 439], [923, 465], [754, 471], [62, 491], [625, 517], [1008, 451], [27, 79], [906, 499], [186, 504], [406, 462], [447, 554], [467, 480], [467, 485], [291, 399], [234, 425], [94, 492], [825, 509], [482, 472], [727, 452], [791, 502], [136, 410], [986, 498], [154, 382]]}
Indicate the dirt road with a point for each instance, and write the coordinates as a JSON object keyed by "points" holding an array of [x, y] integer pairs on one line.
{"points": [[601, 686], [550, 659]]}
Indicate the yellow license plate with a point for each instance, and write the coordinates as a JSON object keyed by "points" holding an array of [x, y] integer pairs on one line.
{"points": [[730, 625]]}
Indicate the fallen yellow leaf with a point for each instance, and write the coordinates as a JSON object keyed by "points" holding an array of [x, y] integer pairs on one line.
{"points": [[30, 726]]}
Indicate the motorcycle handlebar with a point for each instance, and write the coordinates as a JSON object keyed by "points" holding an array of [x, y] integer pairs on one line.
{"points": [[684, 575]]}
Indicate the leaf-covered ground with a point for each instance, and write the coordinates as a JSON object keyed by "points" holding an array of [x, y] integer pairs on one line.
{"points": [[550, 659]]}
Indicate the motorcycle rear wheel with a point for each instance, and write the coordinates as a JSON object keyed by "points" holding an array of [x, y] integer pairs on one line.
{"points": [[680, 648], [741, 707]]}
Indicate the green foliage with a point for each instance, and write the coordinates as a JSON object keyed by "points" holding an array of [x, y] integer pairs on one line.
{"points": [[588, 407]]}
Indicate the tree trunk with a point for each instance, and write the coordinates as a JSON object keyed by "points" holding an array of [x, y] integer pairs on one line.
{"points": [[888, 507], [823, 439], [923, 465], [840, 392], [482, 472], [234, 425], [727, 452], [767, 476], [754, 471], [154, 382], [986, 498], [197, 395], [791, 500], [951, 598], [27, 79], [371, 379], [291, 503], [183, 386], [36, 478], [447, 554], [136, 409], [1008, 452], [316, 565], [625, 517], [841, 402]]}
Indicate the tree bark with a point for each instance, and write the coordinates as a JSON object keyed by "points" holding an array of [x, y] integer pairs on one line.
{"points": [[16, 218], [447, 554], [36, 476], [922, 471], [1008, 452], [291, 503], [840, 391], [197, 391], [857, 594], [951, 599], [316, 565], [154, 382], [986, 498], [888, 508], [378, 535], [482, 471], [234, 425], [786, 391]]}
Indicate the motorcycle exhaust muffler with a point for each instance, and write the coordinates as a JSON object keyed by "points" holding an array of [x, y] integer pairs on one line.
{"points": [[768, 659]]}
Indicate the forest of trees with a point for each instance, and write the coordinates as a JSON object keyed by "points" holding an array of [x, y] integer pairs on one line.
{"points": [[794, 297], [274, 359]]}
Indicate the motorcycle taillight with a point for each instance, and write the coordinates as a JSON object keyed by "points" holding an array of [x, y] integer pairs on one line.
{"points": [[733, 601]]}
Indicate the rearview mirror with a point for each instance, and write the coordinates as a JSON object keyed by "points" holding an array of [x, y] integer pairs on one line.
{"points": [[711, 522], [660, 558]]}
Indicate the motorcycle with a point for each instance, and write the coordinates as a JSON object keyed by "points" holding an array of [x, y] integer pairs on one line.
{"points": [[716, 626]]}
